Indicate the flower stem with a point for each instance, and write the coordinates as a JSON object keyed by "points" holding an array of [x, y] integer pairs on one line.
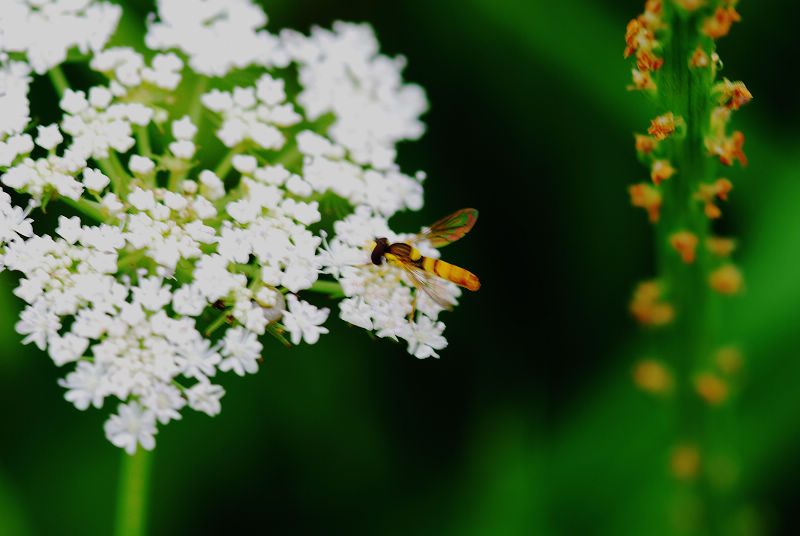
{"points": [[132, 493], [93, 209], [328, 287], [227, 162], [59, 80]]}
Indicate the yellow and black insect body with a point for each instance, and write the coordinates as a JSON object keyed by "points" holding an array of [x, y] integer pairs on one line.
{"points": [[418, 267]]}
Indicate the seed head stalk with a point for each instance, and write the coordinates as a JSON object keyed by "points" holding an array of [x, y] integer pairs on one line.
{"points": [[685, 149]]}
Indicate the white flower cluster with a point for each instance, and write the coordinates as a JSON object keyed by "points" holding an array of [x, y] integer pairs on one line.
{"points": [[177, 266], [14, 109], [45, 30], [382, 298]]}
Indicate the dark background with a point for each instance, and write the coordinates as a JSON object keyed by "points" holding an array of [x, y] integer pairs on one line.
{"points": [[528, 423]]}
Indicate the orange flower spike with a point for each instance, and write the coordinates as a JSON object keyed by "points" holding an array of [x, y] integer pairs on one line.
{"points": [[719, 24], [661, 170], [726, 280], [684, 243], [711, 388], [721, 247], [699, 58], [732, 94], [645, 196], [645, 144], [664, 125]]}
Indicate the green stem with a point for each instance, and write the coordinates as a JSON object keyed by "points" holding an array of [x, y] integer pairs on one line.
{"points": [[120, 179], [216, 324], [93, 209], [226, 163], [143, 141], [132, 493], [59, 80], [328, 287], [197, 106]]}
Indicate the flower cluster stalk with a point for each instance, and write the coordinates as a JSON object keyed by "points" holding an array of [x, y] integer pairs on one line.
{"points": [[686, 149]]}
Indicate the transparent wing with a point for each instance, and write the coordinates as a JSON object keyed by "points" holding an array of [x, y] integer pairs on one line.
{"points": [[449, 229], [429, 284]]}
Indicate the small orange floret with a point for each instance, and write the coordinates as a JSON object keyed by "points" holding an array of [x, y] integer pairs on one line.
{"points": [[729, 359], [685, 462], [646, 60], [711, 388], [708, 193], [690, 5], [664, 125], [646, 307], [645, 144], [647, 197], [732, 94], [721, 247], [719, 24], [642, 80], [699, 58], [661, 170], [728, 148], [726, 279], [652, 376], [684, 243]]}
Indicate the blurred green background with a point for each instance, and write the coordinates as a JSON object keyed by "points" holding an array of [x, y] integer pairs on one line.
{"points": [[529, 423]]}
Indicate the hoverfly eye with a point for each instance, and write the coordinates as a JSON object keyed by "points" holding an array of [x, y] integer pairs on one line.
{"points": [[378, 251]]}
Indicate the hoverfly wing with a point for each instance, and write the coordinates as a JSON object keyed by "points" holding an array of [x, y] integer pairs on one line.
{"points": [[450, 228], [430, 285]]}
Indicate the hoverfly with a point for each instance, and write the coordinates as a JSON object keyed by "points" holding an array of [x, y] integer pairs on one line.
{"points": [[419, 268]]}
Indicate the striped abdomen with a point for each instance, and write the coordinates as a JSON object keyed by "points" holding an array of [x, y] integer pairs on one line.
{"points": [[445, 270], [451, 272]]}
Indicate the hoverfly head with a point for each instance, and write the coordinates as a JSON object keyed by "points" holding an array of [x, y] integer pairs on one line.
{"points": [[381, 246]]}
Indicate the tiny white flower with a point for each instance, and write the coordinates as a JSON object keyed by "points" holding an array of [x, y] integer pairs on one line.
{"points": [[142, 199], [85, 385], [425, 337], [133, 425], [184, 129], [298, 186], [303, 320], [241, 350], [141, 165], [68, 348], [38, 323], [100, 97], [165, 401], [69, 228], [211, 186], [244, 163], [197, 358], [182, 149], [49, 137], [95, 180], [205, 396], [188, 300]]}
